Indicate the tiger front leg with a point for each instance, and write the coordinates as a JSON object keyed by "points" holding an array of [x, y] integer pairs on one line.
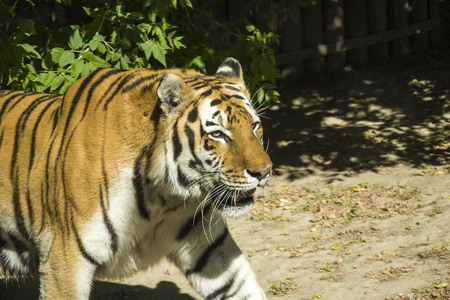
{"points": [[65, 273], [217, 269]]}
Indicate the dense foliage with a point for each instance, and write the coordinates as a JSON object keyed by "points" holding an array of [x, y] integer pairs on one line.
{"points": [[46, 45]]}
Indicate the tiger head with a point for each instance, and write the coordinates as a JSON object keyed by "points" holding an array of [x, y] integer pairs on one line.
{"points": [[211, 144]]}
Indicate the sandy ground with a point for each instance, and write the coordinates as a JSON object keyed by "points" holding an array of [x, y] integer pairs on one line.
{"points": [[360, 206]]}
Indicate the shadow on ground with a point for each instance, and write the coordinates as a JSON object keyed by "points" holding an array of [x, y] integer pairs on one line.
{"points": [[28, 289], [361, 120]]}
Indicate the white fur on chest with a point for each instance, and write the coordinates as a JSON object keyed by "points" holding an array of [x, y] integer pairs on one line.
{"points": [[140, 242]]}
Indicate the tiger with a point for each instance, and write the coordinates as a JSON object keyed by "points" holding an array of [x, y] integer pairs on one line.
{"points": [[126, 168]]}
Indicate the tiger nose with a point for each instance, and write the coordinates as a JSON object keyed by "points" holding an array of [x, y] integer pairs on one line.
{"points": [[260, 174]]}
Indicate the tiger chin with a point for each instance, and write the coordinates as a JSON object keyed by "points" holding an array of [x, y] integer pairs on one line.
{"points": [[125, 169]]}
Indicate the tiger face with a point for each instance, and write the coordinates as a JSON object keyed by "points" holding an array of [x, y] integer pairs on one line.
{"points": [[216, 139]]}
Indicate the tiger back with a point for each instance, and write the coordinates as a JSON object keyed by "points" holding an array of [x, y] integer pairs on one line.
{"points": [[128, 167]]}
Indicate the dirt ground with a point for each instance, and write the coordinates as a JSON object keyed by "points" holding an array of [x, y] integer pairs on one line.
{"points": [[360, 205]]}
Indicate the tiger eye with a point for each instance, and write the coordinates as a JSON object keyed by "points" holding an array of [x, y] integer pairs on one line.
{"points": [[146, 114]]}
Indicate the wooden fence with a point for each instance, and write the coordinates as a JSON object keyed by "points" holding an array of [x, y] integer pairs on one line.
{"points": [[334, 33]]}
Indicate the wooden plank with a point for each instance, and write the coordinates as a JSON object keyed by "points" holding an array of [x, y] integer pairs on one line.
{"points": [[434, 14], [356, 26], [333, 27], [291, 40], [418, 13], [372, 39], [312, 33], [378, 22], [398, 17]]}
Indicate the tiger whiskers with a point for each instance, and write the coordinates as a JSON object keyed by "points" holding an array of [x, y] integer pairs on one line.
{"points": [[252, 99], [214, 192], [222, 196]]}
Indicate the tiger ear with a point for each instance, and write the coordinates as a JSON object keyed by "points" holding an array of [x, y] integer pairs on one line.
{"points": [[230, 67], [170, 92]]}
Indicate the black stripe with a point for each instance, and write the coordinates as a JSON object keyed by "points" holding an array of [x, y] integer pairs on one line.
{"points": [[223, 290], [200, 86], [139, 187], [216, 102], [74, 101], [25, 96], [55, 116], [27, 112], [215, 114], [206, 93], [193, 115], [1, 137], [203, 260], [32, 155], [109, 225], [43, 215], [20, 249], [209, 123], [17, 97], [118, 89], [191, 138], [216, 163], [3, 242], [140, 81], [33, 135], [191, 223], [80, 245], [194, 78], [5, 105], [166, 174], [177, 147], [197, 79], [208, 147], [182, 179], [148, 88], [237, 289], [236, 96], [232, 88], [47, 175]]}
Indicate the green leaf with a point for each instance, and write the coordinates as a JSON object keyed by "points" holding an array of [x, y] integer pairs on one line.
{"points": [[85, 70], [93, 45], [101, 48], [159, 53], [29, 49], [56, 54], [124, 63], [95, 60], [187, 3], [66, 58], [48, 78], [147, 47], [56, 83], [77, 65], [197, 62], [98, 38], [75, 40]]}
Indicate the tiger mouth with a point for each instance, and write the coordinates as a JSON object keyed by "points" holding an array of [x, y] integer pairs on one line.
{"points": [[243, 198]]}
